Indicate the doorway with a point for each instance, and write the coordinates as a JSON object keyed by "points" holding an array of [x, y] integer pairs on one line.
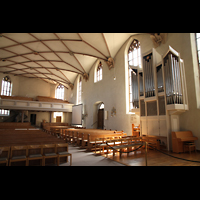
{"points": [[58, 118], [100, 122], [100, 117], [33, 119]]}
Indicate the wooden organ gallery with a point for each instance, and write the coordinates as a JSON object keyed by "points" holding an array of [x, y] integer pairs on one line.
{"points": [[159, 93]]}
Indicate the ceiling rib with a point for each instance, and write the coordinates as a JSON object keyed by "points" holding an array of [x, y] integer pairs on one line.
{"points": [[92, 46], [52, 51], [17, 54], [27, 54], [70, 51], [50, 40], [106, 44], [65, 52]]}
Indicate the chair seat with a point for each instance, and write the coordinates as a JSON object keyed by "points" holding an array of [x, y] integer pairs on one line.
{"points": [[63, 153], [50, 154], [189, 143], [35, 155], [18, 157], [103, 145], [3, 159]]}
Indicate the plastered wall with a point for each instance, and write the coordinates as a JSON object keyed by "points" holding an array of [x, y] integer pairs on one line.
{"points": [[113, 92]]}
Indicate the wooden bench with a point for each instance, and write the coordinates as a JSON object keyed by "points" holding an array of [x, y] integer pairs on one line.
{"points": [[16, 98], [27, 153], [126, 144], [50, 99], [108, 143], [14, 125], [10, 138], [47, 125], [155, 141], [86, 137]]}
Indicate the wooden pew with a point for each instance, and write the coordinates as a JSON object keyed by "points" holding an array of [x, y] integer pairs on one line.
{"points": [[124, 144], [9, 138], [14, 125], [16, 98], [22, 137], [159, 142], [50, 99], [89, 136]]}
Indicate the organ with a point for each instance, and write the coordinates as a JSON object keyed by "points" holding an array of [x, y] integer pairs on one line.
{"points": [[159, 93]]}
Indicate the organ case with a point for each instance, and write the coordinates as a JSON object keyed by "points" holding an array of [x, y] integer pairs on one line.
{"points": [[160, 91]]}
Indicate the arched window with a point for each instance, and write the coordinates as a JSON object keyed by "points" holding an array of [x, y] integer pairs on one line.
{"points": [[134, 63], [6, 89], [99, 72], [134, 54], [6, 86], [80, 91], [60, 92], [198, 46]]}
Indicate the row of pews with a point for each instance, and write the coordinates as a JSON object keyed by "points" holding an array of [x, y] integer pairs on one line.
{"points": [[98, 141], [104, 140], [22, 144]]}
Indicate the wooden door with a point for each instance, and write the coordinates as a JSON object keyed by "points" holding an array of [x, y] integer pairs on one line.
{"points": [[58, 118], [100, 122], [33, 119]]}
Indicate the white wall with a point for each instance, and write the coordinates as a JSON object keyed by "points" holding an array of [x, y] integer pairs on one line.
{"points": [[28, 87], [113, 93]]}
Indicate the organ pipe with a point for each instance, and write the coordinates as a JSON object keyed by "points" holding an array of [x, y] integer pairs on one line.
{"points": [[148, 75], [172, 79]]}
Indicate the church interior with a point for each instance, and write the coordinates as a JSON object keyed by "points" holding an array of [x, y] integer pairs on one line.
{"points": [[124, 96]]}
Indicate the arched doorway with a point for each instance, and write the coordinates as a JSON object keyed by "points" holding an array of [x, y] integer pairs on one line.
{"points": [[100, 117]]}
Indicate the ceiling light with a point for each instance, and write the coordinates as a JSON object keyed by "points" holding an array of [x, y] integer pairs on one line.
{"points": [[36, 53]]}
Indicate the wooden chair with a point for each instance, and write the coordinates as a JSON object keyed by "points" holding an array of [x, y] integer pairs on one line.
{"points": [[75, 138], [35, 156], [189, 146], [71, 135], [21, 156], [52, 154], [80, 138], [4, 159], [63, 153], [85, 140], [100, 143]]}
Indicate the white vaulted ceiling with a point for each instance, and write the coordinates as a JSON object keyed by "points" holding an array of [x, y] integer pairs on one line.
{"points": [[56, 57]]}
